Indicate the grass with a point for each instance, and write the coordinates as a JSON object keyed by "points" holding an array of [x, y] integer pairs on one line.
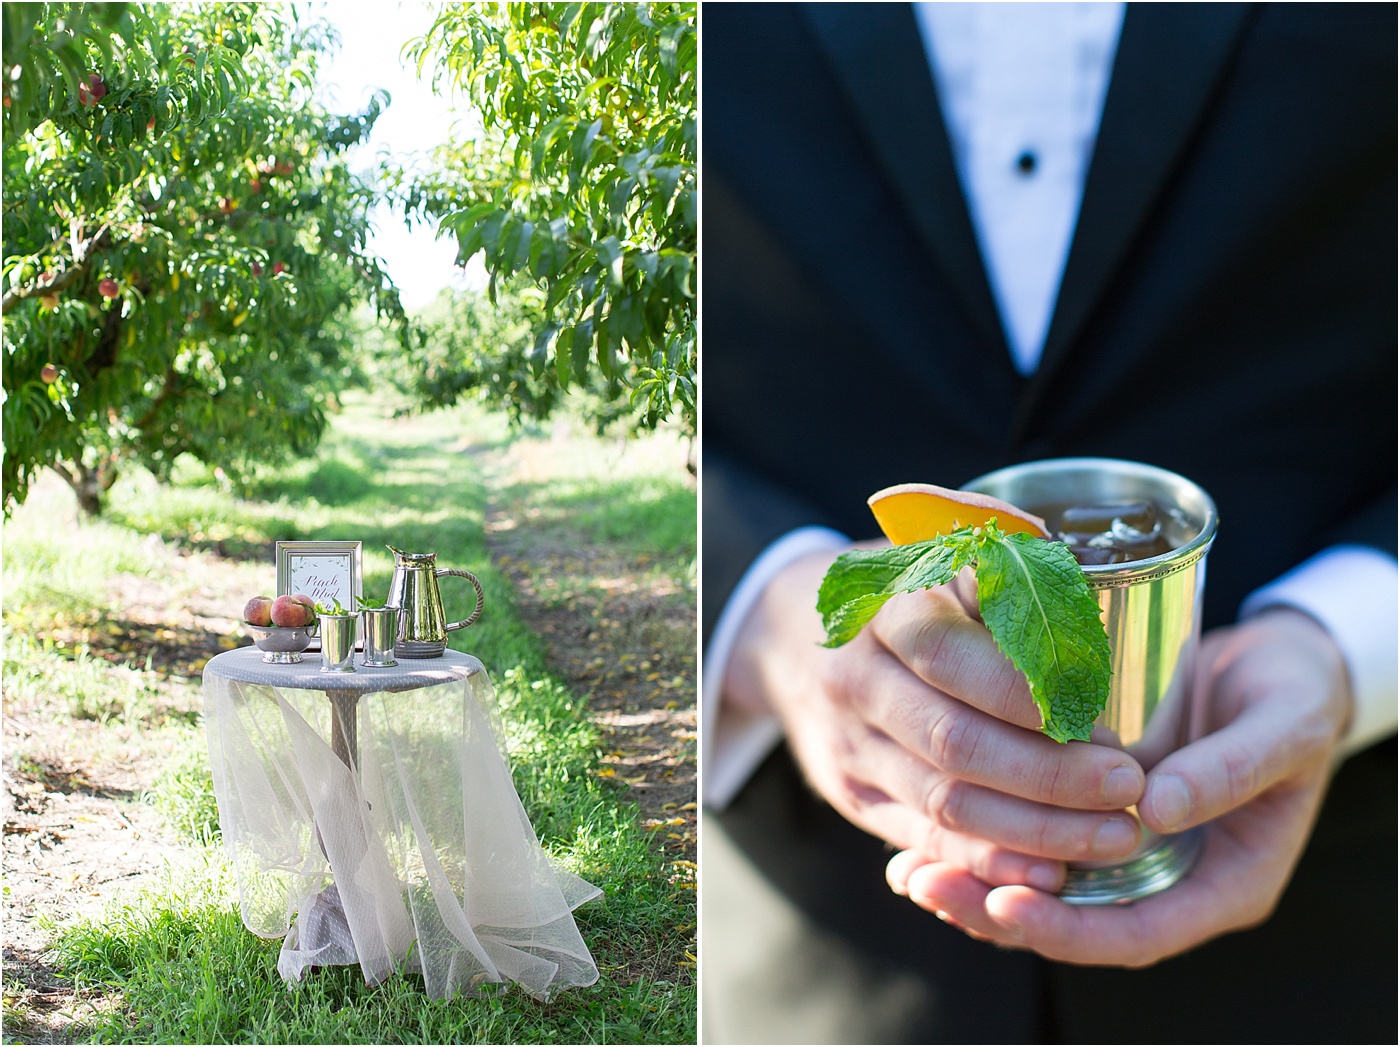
{"points": [[176, 956]]}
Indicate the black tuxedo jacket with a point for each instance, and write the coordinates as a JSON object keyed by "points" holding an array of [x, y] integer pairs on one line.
{"points": [[1228, 311]]}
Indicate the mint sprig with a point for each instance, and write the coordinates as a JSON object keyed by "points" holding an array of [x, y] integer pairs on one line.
{"points": [[1033, 598]]}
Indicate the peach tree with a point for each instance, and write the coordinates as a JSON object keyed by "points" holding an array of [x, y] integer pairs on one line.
{"points": [[581, 185], [183, 240]]}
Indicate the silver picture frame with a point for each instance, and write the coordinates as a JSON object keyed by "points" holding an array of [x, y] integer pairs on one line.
{"points": [[324, 571]]}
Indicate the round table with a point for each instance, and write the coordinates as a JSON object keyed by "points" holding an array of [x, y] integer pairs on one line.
{"points": [[371, 819]]}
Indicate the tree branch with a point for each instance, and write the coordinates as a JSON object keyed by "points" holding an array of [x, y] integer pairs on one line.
{"points": [[81, 256]]}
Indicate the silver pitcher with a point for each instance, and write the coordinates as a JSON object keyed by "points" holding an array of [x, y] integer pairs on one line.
{"points": [[414, 593], [1152, 611]]}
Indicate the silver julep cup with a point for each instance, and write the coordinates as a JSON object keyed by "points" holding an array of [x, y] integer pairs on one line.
{"points": [[381, 630], [1152, 611], [338, 643]]}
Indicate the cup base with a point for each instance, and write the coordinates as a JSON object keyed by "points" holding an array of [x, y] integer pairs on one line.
{"points": [[378, 663], [1161, 865], [337, 668]]}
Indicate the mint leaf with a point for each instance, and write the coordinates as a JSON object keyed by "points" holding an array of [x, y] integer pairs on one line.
{"points": [[1043, 616], [857, 585], [1033, 598]]}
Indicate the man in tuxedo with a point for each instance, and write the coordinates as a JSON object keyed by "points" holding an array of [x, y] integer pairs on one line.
{"points": [[1225, 307]]}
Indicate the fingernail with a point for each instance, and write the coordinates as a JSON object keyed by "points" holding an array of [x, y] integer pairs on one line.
{"points": [[941, 915], [1043, 877], [1122, 786], [1169, 800], [1114, 836]]}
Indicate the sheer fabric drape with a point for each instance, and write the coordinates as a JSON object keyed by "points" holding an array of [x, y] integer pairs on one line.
{"points": [[416, 856]]}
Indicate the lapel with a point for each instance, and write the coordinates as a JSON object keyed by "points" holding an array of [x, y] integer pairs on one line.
{"points": [[1170, 59], [877, 54], [1169, 62]]}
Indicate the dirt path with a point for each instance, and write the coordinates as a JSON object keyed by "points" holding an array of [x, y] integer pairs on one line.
{"points": [[619, 628], [629, 645], [76, 828]]}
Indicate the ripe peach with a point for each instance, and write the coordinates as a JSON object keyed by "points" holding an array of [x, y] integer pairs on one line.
{"points": [[289, 613], [308, 603], [258, 611], [108, 288], [91, 92], [49, 374]]}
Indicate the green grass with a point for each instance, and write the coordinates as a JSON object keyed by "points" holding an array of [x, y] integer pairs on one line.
{"points": [[188, 972], [176, 955]]}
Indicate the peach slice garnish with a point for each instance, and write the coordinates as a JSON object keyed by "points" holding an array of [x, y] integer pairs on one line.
{"points": [[917, 512]]}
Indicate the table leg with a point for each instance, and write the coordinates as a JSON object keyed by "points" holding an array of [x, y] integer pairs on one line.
{"points": [[344, 729], [345, 742]]}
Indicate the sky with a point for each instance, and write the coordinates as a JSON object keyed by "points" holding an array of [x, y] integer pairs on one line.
{"points": [[372, 35]]}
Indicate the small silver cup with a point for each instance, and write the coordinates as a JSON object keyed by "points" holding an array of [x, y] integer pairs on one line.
{"points": [[338, 642], [381, 630], [1152, 611]]}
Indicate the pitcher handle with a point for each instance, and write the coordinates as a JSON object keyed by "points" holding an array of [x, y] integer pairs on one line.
{"points": [[480, 597]]}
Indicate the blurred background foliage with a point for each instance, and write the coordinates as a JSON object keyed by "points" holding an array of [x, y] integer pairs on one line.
{"points": [[580, 187]]}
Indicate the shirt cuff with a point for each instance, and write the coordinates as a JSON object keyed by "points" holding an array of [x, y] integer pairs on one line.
{"points": [[1352, 591], [734, 743]]}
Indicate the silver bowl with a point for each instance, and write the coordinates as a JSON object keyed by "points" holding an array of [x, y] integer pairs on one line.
{"points": [[279, 645]]}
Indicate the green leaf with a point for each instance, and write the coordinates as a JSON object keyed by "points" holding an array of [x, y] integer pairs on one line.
{"points": [[1033, 598], [857, 585], [1044, 617]]}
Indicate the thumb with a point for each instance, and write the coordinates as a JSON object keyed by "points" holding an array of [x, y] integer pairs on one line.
{"points": [[1218, 773], [1281, 683]]}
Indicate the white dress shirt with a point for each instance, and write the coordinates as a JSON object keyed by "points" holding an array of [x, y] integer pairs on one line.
{"points": [[1022, 88]]}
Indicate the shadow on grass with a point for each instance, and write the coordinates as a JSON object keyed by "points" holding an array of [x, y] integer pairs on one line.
{"points": [[166, 650], [246, 539], [333, 482], [61, 779], [655, 517]]}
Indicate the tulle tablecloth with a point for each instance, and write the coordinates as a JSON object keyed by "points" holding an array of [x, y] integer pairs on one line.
{"points": [[371, 819]]}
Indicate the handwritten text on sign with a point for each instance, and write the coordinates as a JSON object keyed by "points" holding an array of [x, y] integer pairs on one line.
{"points": [[323, 578]]}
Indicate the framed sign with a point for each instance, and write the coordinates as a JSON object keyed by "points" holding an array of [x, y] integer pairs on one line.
{"points": [[324, 571]]}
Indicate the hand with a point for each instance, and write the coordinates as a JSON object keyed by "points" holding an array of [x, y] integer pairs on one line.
{"points": [[1275, 695], [921, 732]]}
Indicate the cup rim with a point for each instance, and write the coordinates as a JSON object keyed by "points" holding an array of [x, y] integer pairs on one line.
{"points": [[1110, 575]]}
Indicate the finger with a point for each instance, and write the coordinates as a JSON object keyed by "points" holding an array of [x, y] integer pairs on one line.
{"points": [[971, 745], [1221, 771], [898, 868], [931, 633], [984, 859], [1009, 821], [1044, 876], [1232, 887], [957, 898], [1194, 910]]}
